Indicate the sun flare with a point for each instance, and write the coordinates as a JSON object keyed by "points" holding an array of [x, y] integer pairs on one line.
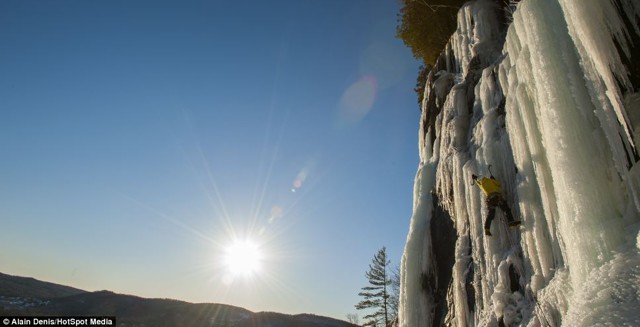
{"points": [[243, 258]]}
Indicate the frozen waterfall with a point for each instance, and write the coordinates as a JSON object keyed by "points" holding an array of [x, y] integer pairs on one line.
{"points": [[550, 103]]}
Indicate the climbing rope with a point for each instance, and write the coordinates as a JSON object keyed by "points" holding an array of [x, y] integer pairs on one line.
{"points": [[541, 314]]}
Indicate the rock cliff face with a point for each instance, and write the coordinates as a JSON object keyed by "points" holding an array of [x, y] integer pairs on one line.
{"points": [[544, 95]]}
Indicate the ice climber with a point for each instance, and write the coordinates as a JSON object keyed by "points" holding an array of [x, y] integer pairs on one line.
{"points": [[491, 187]]}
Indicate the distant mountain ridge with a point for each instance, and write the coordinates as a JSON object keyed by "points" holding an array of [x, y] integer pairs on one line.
{"points": [[27, 287], [21, 296]]}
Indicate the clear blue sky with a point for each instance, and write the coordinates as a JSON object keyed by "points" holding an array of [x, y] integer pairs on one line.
{"points": [[139, 139]]}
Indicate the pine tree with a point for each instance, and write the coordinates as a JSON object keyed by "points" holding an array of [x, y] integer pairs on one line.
{"points": [[376, 296]]}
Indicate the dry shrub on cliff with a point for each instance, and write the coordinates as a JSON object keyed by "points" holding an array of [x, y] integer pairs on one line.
{"points": [[425, 26]]}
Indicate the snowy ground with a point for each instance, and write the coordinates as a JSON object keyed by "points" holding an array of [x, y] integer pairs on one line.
{"points": [[554, 114]]}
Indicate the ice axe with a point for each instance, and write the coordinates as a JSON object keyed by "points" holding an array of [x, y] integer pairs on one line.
{"points": [[474, 177]]}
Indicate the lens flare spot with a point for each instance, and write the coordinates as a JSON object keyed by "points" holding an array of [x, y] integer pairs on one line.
{"points": [[299, 180], [276, 213], [357, 101]]}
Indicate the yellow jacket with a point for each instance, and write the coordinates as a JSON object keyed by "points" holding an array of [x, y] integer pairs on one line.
{"points": [[489, 185]]}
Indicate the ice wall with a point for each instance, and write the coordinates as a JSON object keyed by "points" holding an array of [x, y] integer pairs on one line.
{"points": [[549, 102]]}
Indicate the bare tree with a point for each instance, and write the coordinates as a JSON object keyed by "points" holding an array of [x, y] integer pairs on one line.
{"points": [[394, 296], [353, 318]]}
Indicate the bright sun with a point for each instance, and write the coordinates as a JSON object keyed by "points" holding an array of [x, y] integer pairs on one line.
{"points": [[243, 258]]}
